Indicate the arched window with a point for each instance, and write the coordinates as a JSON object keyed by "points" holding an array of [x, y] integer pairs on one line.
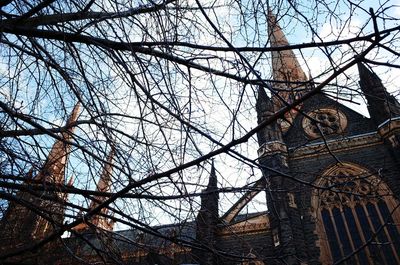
{"points": [[356, 216]]}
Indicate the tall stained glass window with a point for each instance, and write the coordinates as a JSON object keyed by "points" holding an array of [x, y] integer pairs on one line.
{"points": [[358, 219]]}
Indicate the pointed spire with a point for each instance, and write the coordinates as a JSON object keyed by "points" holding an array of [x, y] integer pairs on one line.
{"points": [[73, 117], [54, 168], [381, 105], [209, 200], [23, 225], [103, 185], [367, 77], [212, 182], [207, 220], [285, 66], [286, 72]]}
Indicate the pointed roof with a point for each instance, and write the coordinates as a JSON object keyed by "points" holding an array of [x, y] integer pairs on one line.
{"points": [[381, 105], [285, 66], [207, 217], [104, 182], [54, 168], [265, 108], [210, 195], [367, 77], [286, 71], [103, 185], [212, 181], [52, 171]]}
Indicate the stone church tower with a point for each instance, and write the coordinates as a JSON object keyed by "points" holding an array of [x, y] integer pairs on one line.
{"points": [[99, 221]]}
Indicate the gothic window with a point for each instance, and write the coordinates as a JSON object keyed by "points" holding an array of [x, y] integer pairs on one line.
{"points": [[324, 121], [356, 213]]}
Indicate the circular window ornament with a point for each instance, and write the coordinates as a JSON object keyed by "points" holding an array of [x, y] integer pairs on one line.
{"points": [[325, 121]]}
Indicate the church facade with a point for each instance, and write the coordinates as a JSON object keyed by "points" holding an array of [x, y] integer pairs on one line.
{"points": [[330, 176]]}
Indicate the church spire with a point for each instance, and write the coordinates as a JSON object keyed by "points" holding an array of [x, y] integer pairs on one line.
{"points": [[264, 105], [285, 66], [54, 168], [54, 171], [286, 71], [381, 105], [103, 185], [212, 181], [20, 224], [210, 196], [272, 153], [207, 220]]}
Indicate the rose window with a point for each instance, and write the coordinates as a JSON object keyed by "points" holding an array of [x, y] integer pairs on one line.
{"points": [[324, 122]]}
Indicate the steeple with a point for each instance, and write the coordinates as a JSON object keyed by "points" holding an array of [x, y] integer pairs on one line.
{"points": [[21, 225], [54, 168], [286, 71], [54, 171], [381, 105], [103, 185], [210, 196], [264, 105], [207, 220], [272, 153], [212, 181], [285, 66]]}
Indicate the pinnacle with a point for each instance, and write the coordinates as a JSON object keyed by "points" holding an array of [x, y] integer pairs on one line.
{"points": [[212, 183], [264, 103], [366, 74], [276, 35]]}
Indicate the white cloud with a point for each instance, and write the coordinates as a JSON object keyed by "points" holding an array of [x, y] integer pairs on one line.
{"points": [[333, 31], [396, 11]]}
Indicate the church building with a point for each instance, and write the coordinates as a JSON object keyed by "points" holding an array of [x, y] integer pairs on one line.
{"points": [[330, 176]]}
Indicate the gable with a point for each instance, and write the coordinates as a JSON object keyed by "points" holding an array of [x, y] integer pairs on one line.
{"points": [[354, 123]]}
